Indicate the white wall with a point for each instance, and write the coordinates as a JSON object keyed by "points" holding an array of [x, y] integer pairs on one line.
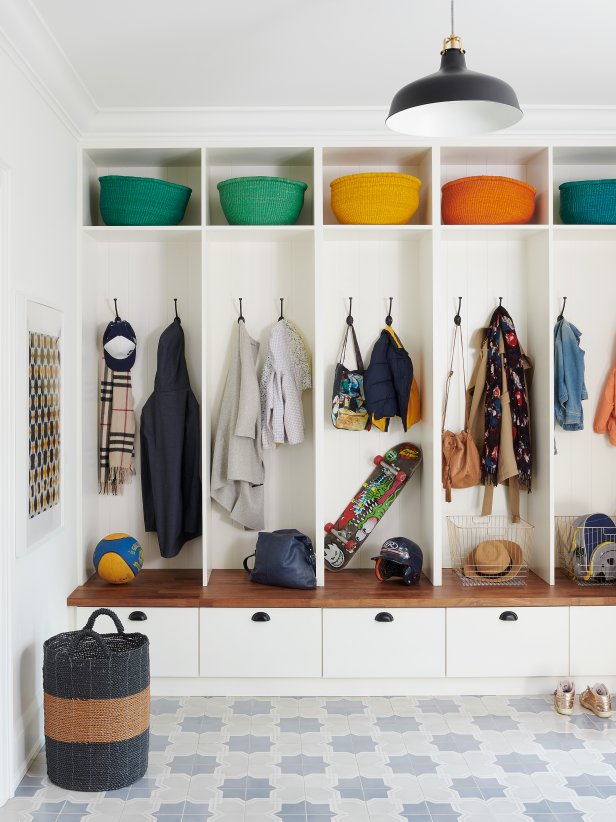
{"points": [[40, 155]]}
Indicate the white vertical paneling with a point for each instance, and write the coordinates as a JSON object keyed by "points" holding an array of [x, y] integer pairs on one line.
{"points": [[206, 417], [584, 476], [432, 290], [481, 272], [261, 273], [540, 346], [428, 347], [319, 360], [371, 272], [144, 277]]}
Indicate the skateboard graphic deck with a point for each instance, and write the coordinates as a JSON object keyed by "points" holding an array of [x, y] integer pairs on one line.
{"points": [[370, 504]]}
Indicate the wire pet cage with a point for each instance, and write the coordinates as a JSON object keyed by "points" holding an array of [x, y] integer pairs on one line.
{"points": [[587, 548], [490, 550]]}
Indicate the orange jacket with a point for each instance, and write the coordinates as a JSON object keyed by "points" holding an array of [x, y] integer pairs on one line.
{"points": [[605, 416]]}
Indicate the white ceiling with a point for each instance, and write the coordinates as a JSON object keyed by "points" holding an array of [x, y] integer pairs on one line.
{"points": [[244, 53]]}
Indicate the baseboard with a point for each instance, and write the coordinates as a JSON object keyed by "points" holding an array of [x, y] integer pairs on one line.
{"points": [[25, 751], [505, 686]]}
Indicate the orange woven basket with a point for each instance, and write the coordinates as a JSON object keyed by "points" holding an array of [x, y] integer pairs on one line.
{"points": [[487, 201]]}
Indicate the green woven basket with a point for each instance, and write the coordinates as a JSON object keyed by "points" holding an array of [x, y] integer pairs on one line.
{"points": [[142, 201], [261, 200], [588, 202]]}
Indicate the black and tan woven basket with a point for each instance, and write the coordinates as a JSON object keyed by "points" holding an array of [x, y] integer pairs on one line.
{"points": [[97, 707]]}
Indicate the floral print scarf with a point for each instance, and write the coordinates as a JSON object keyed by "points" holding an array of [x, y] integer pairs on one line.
{"points": [[501, 323]]}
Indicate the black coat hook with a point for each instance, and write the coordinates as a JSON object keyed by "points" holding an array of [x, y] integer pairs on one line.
{"points": [[175, 303], [281, 314], [562, 310], [350, 316], [500, 302], [117, 316], [458, 319], [388, 318], [241, 317]]}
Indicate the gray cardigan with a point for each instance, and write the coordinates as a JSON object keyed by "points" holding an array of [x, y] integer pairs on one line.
{"points": [[237, 460]]}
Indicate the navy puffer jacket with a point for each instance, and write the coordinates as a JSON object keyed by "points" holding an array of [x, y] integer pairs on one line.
{"points": [[388, 379]]}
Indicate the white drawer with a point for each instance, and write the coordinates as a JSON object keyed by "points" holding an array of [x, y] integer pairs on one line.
{"points": [[357, 644], [480, 643], [173, 635], [261, 642], [592, 648]]}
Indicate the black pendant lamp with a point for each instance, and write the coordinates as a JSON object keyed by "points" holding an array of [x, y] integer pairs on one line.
{"points": [[454, 101]]}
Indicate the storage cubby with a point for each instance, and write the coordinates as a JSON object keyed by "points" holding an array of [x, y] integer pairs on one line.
{"points": [[530, 164], [584, 476], [372, 271], [292, 163], [261, 269], [416, 161], [316, 266], [176, 165], [481, 271], [574, 163], [145, 277]]}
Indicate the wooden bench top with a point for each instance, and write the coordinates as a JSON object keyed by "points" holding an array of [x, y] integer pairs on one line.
{"points": [[347, 589]]}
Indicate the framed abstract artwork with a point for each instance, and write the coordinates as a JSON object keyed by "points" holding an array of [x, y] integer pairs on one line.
{"points": [[39, 410]]}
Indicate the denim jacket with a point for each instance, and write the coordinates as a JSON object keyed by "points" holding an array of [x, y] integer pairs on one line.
{"points": [[569, 387]]}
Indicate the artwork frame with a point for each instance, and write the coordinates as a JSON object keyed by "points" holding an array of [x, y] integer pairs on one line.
{"points": [[39, 423]]}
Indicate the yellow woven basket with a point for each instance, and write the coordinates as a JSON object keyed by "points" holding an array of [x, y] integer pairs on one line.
{"points": [[375, 198]]}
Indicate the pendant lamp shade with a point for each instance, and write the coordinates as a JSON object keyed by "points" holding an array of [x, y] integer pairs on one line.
{"points": [[454, 101]]}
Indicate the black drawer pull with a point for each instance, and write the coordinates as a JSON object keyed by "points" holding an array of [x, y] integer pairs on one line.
{"points": [[383, 616], [509, 616], [260, 616], [137, 616]]}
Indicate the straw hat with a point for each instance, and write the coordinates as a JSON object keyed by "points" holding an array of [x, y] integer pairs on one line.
{"points": [[497, 560]]}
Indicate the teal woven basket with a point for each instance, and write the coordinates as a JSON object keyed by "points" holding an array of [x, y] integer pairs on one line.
{"points": [[588, 202], [261, 200], [142, 201]]}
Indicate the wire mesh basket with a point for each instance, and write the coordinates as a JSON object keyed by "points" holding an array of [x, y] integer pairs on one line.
{"points": [[490, 550], [587, 548]]}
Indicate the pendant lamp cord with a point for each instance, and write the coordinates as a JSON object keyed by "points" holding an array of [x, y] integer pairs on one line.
{"points": [[452, 27]]}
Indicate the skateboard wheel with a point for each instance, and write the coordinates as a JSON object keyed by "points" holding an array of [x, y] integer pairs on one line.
{"points": [[329, 527], [378, 460], [400, 476]]}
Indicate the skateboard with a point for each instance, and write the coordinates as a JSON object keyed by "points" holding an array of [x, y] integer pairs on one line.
{"points": [[370, 504]]}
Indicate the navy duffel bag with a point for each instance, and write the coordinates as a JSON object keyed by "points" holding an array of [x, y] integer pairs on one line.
{"points": [[285, 558]]}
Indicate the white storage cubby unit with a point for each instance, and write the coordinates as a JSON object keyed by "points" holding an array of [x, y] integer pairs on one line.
{"points": [[316, 266], [584, 273]]}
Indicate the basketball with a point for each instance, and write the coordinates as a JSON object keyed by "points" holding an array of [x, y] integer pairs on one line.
{"points": [[118, 558]]}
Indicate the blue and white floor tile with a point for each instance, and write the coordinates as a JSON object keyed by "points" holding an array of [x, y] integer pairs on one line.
{"points": [[306, 759]]}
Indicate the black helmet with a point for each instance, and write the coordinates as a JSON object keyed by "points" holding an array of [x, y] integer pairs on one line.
{"points": [[399, 557]]}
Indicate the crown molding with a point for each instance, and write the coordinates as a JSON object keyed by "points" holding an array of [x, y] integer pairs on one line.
{"points": [[367, 122], [29, 43]]}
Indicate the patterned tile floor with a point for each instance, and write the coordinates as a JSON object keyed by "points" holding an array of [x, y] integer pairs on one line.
{"points": [[364, 760]]}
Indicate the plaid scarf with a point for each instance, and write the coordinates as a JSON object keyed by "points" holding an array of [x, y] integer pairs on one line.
{"points": [[501, 322], [116, 428]]}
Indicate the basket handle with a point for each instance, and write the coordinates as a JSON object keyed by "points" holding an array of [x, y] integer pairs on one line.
{"points": [[72, 648], [107, 612]]}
